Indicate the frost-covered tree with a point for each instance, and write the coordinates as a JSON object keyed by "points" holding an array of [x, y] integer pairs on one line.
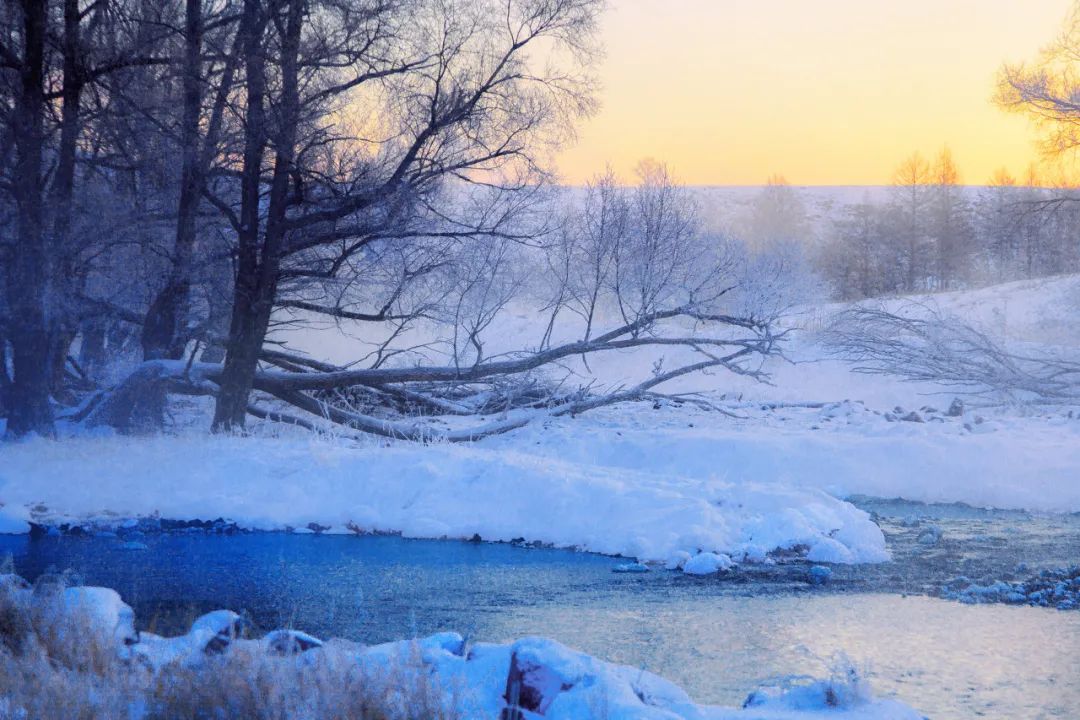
{"points": [[55, 59], [777, 216], [1047, 89], [949, 223], [911, 202], [854, 258]]}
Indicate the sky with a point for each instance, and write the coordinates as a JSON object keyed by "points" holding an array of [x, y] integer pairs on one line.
{"points": [[823, 92]]}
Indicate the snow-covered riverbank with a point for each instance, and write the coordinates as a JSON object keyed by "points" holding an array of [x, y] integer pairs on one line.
{"points": [[657, 485], [742, 470], [427, 491]]}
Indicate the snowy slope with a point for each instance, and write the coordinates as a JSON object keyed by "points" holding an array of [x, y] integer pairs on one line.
{"points": [[844, 448], [1008, 457]]}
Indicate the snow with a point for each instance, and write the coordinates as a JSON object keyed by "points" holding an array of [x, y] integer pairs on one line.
{"points": [[188, 649], [707, 563], [430, 491], [1013, 456], [1007, 461], [574, 685], [13, 520], [88, 615]]}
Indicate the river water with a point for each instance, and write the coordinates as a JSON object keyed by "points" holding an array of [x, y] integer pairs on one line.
{"points": [[718, 637]]}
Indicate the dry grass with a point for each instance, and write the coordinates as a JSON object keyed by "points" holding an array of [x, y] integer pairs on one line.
{"points": [[54, 668]]}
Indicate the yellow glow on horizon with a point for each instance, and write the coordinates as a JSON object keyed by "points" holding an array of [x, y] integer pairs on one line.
{"points": [[825, 92]]}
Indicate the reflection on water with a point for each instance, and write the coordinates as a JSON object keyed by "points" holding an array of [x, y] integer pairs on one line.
{"points": [[946, 659], [717, 638]]}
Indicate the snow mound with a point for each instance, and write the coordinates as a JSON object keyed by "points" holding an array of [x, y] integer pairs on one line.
{"points": [[433, 491], [707, 563]]}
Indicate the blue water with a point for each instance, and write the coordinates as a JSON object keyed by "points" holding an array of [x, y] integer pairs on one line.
{"points": [[371, 588], [718, 638]]}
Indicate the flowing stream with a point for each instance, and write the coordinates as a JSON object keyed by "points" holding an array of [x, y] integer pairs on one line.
{"points": [[719, 637]]}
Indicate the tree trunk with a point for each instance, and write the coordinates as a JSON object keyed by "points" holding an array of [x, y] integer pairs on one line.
{"points": [[256, 285], [30, 411], [63, 184], [163, 333], [60, 340], [59, 253], [249, 322], [241, 353], [132, 406], [5, 379]]}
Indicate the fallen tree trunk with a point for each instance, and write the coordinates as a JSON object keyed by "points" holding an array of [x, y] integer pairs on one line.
{"points": [[433, 403], [920, 343]]}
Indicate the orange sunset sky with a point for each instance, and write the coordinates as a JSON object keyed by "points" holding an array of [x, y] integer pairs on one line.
{"points": [[825, 92]]}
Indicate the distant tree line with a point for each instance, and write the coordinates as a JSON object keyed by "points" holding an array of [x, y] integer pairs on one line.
{"points": [[934, 234]]}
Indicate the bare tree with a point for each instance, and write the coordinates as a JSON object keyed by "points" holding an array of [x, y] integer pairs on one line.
{"points": [[777, 216], [692, 302], [67, 51], [854, 259], [949, 227], [1047, 89], [461, 101], [207, 77], [373, 165], [911, 197]]}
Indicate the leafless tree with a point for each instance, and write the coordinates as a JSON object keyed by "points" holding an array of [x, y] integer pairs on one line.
{"points": [[455, 96], [1047, 89], [26, 258], [693, 302], [54, 60], [232, 169]]}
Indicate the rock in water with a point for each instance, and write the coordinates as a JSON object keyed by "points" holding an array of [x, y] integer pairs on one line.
{"points": [[132, 545], [930, 536], [677, 560]]}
